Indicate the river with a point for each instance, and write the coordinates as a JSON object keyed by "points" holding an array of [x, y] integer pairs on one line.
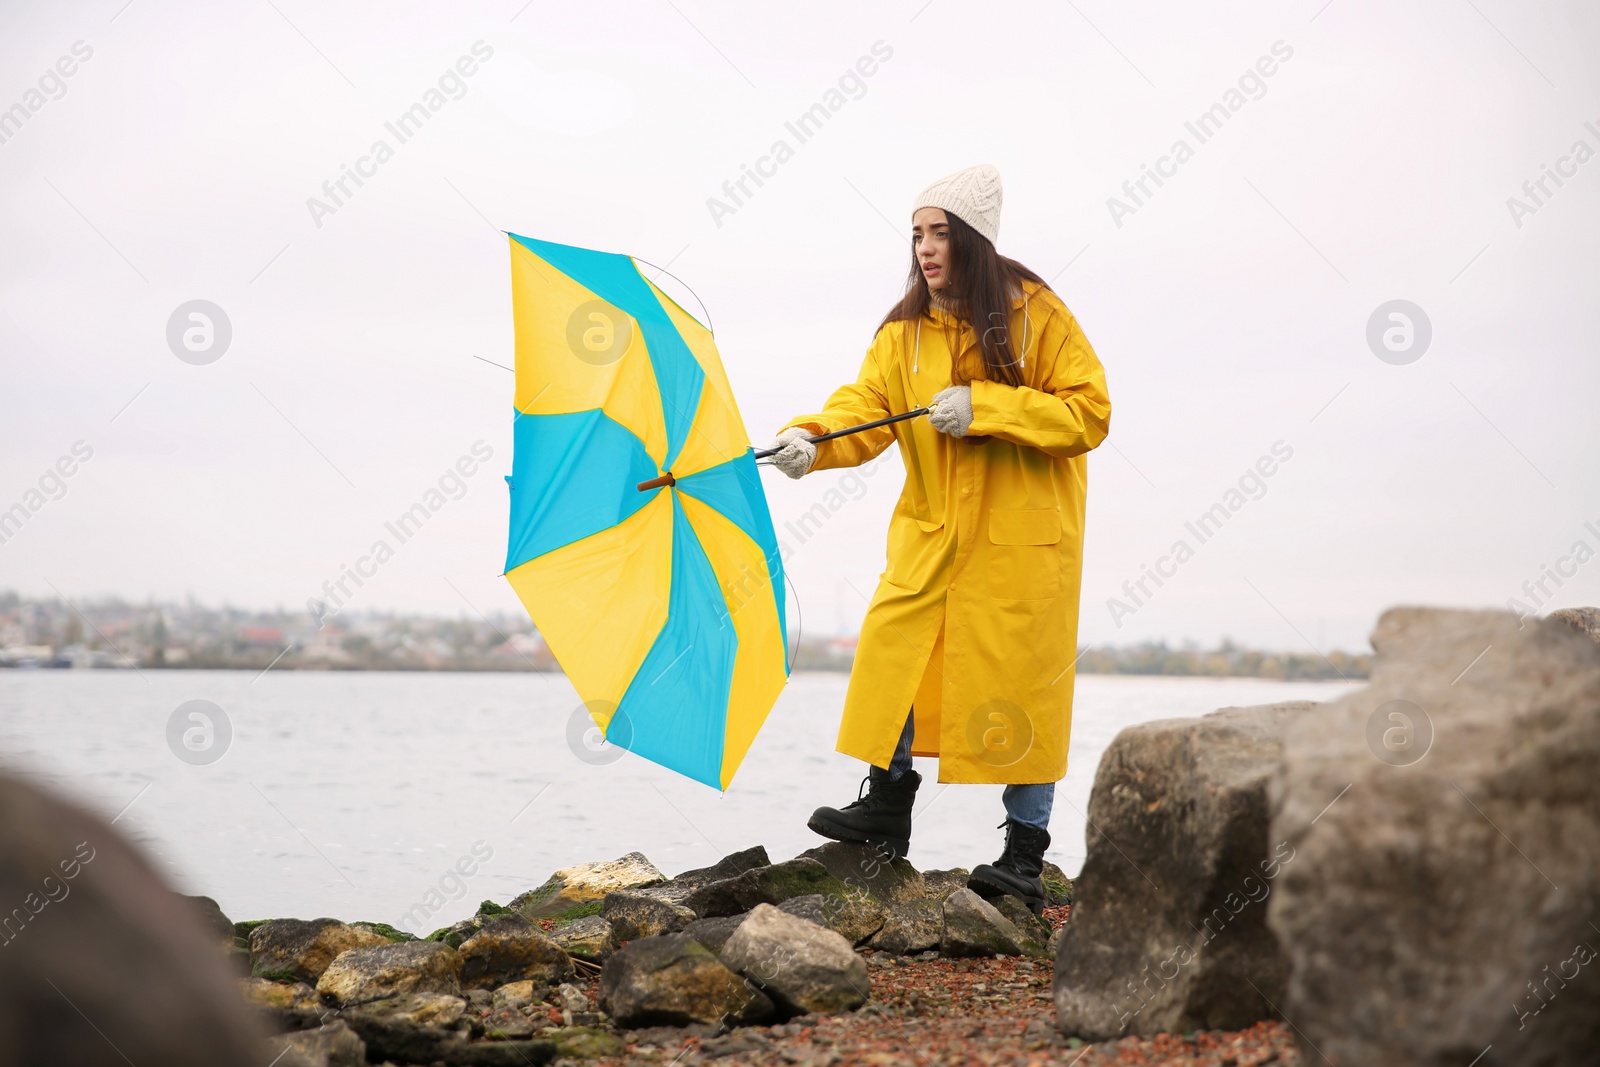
{"points": [[354, 794]]}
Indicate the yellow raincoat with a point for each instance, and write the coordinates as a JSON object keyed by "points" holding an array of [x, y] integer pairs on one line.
{"points": [[975, 620]]}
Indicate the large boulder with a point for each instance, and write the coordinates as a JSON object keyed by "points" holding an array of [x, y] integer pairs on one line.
{"points": [[95, 943], [1168, 929], [802, 966], [509, 948], [1445, 824], [573, 887], [673, 980], [1584, 620], [366, 974], [301, 949]]}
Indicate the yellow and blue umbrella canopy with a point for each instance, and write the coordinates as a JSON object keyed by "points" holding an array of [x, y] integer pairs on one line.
{"points": [[664, 606]]}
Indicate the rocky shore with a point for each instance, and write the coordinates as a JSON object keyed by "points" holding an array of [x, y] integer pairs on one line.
{"points": [[611, 959], [832, 957], [1408, 874]]}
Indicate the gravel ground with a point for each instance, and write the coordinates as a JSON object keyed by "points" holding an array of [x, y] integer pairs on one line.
{"points": [[945, 1013]]}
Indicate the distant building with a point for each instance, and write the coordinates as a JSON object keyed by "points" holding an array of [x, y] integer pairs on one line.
{"points": [[261, 637], [326, 647], [32, 656]]}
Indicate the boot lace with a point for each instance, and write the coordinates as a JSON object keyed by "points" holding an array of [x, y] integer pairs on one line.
{"points": [[868, 799], [1006, 853]]}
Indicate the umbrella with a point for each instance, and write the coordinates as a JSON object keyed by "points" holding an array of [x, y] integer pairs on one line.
{"points": [[640, 541]]}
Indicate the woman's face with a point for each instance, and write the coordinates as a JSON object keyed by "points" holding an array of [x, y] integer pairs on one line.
{"points": [[930, 239]]}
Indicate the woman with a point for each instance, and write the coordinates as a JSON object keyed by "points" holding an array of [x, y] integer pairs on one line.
{"points": [[967, 648]]}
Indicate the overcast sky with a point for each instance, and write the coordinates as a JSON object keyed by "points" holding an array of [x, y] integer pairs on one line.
{"points": [[1230, 304]]}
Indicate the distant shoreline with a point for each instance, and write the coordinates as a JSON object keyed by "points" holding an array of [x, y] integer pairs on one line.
{"points": [[114, 634]]}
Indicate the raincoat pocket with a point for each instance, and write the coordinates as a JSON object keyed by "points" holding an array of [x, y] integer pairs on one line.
{"points": [[1024, 557]]}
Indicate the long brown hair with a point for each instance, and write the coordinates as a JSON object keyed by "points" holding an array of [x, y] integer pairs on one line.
{"points": [[985, 280]]}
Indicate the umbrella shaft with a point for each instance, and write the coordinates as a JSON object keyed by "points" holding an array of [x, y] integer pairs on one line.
{"points": [[666, 478], [765, 452]]}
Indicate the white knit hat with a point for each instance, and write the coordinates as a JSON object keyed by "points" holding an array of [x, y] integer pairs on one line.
{"points": [[972, 194]]}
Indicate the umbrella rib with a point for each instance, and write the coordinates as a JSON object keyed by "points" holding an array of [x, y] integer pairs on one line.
{"points": [[663, 270]]}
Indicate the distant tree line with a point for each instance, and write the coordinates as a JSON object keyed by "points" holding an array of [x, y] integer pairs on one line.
{"points": [[1227, 660]]}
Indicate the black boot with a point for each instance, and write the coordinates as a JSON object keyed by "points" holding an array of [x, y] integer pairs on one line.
{"points": [[880, 817], [1017, 871]]}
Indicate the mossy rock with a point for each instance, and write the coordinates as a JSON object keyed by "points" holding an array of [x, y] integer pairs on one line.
{"points": [[591, 938], [242, 930], [786, 880], [869, 868], [285, 974], [489, 908], [855, 916], [305, 947], [1028, 925], [572, 886], [267, 994], [529, 903], [578, 911], [385, 930], [677, 890], [772, 884], [586, 1042], [1057, 886], [456, 933]]}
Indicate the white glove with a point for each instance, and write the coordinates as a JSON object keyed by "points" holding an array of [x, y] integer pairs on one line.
{"points": [[795, 454], [951, 410]]}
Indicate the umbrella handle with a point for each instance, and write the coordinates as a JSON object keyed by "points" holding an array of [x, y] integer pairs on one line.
{"points": [[657, 483]]}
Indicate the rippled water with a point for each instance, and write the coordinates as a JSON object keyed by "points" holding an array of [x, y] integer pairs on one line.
{"points": [[352, 794]]}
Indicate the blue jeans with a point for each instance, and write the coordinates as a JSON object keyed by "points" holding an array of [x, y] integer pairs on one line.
{"points": [[1027, 804]]}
